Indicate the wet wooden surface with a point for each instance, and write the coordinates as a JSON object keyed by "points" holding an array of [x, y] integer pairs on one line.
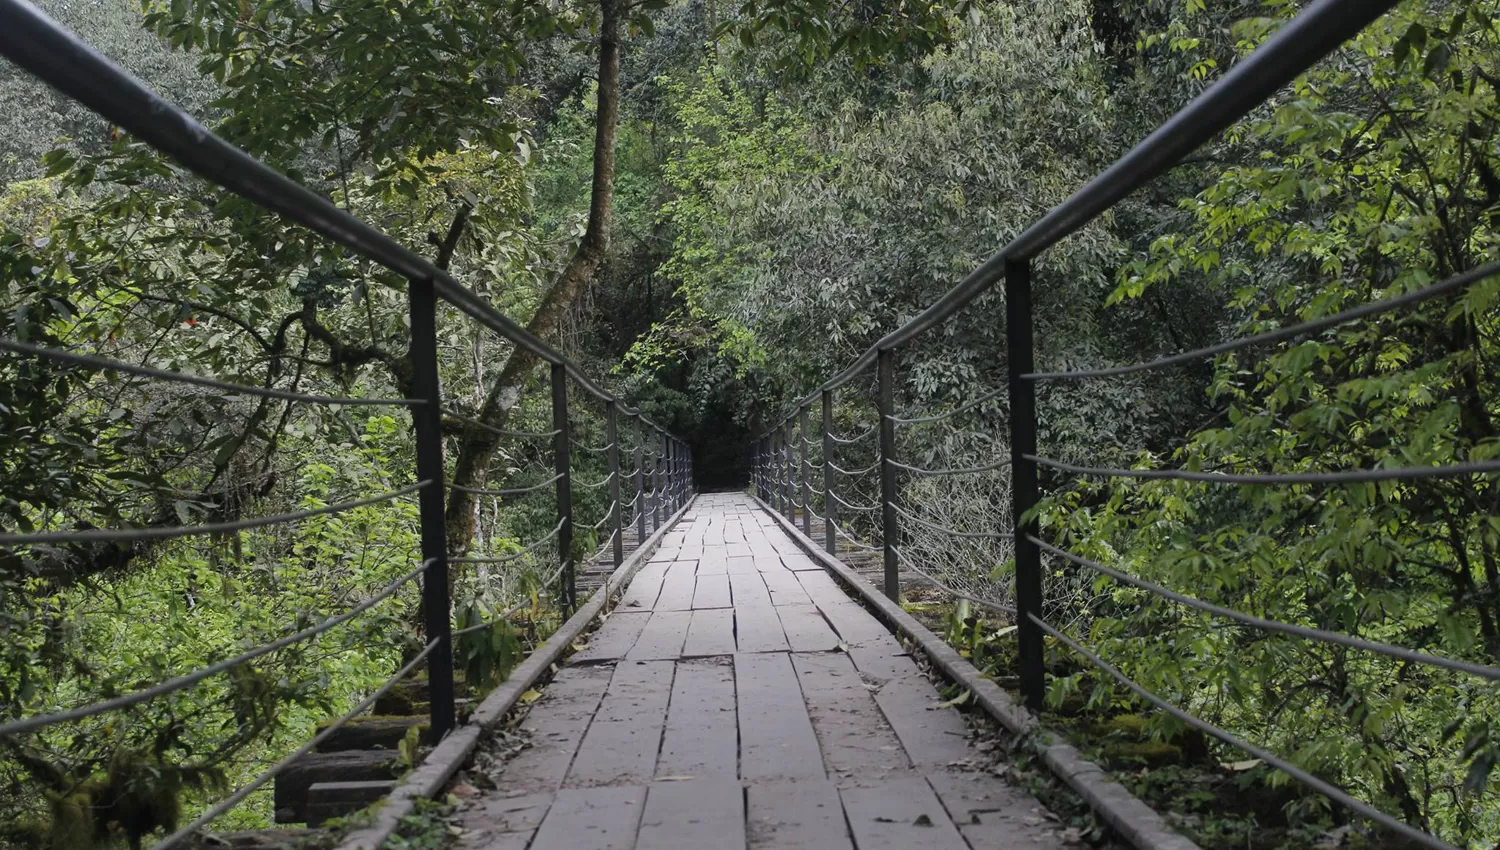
{"points": [[738, 698]]}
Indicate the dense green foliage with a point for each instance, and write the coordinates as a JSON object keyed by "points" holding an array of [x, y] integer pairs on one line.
{"points": [[786, 181]]}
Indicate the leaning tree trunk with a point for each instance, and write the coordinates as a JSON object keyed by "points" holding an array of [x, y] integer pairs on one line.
{"points": [[477, 447]]}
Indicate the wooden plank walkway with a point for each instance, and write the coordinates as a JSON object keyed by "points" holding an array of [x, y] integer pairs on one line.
{"points": [[738, 699]]}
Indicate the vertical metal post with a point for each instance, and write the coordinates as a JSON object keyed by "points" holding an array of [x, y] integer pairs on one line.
{"points": [[773, 487], [759, 468], [788, 477], [640, 495], [1018, 334], [806, 469], [661, 486], [562, 445], [666, 476], [830, 507], [612, 435], [427, 423], [887, 404], [655, 492], [677, 475]]}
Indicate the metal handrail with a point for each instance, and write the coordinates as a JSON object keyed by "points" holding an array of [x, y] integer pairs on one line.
{"points": [[58, 57], [1317, 30]]}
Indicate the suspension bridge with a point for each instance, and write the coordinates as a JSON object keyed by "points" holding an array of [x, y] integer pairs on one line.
{"points": [[732, 670]]}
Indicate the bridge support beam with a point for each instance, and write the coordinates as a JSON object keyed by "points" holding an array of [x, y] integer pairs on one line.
{"points": [[830, 511], [889, 528], [612, 436], [1023, 479], [562, 447], [806, 469], [427, 422]]}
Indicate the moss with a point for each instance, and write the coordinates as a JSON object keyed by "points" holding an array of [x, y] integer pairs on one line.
{"points": [[1153, 753]]}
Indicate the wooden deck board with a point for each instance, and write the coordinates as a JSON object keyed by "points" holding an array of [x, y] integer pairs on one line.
{"points": [[804, 815], [694, 815], [738, 698], [592, 819], [701, 738], [776, 734], [899, 815]]}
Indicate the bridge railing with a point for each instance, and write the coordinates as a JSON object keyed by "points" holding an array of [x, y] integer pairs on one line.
{"points": [[783, 471], [660, 474]]}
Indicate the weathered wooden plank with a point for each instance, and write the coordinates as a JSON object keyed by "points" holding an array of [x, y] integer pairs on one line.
{"points": [[857, 628], [662, 637], [614, 638], [993, 815], [799, 561], [740, 565], [714, 562], [622, 743], [644, 588], [785, 588], [555, 726], [700, 739], [749, 590], [933, 736], [769, 564], [805, 815], [677, 588], [822, 588], [711, 592], [694, 815], [592, 819], [776, 735], [758, 629], [857, 744], [806, 630], [899, 814], [711, 632], [494, 816]]}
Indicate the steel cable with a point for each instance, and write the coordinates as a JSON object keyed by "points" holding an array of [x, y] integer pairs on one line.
{"points": [[852, 507], [246, 790], [994, 606], [181, 682], [1352, 476], [1333, 792], [942, 529], [853, 472], [167, 533], [501, 432], [1452, 284], [597, 484], [999, 464], [963, 408], [507, 558], [851, 440], [107, 364], [513, 491], [1483, 671]]}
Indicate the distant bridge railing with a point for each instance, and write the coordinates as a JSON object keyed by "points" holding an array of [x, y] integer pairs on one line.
{"points": [[783, 470], [661, 477]]}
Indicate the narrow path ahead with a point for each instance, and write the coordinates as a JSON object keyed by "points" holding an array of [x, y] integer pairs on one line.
{"points": [[737, 698]]}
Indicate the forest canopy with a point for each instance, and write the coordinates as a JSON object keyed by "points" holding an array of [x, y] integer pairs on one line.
{"points": [[715, 207]]}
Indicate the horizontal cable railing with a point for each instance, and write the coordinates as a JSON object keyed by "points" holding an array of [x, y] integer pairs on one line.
{"points": [[41, 46], [778, 476], [105, 364], [169, 532]]}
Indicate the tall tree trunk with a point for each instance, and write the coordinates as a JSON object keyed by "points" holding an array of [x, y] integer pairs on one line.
{"points": [[477, 447]]}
